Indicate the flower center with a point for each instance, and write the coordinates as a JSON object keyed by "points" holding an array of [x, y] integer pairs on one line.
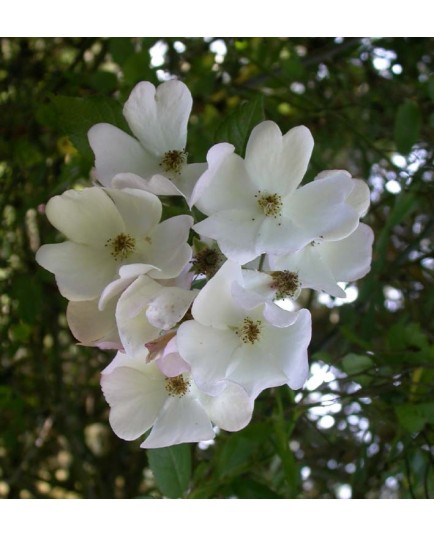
{"points": [[250, 331], [173, 161], [285, 283], [177, 386], [207, 262], [121, 246], [270, 204]]}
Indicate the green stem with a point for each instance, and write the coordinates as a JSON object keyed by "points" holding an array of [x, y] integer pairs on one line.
{"points": [[261, 262]]}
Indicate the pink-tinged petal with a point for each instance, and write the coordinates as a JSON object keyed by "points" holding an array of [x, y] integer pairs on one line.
{"points": [[235, 232], [311, 268], [170, 362], [87, 216], [157, 184], [81, 272], [277, 163], [168, 249], [287, 348], [225, 185], [182, 420], [224, 311], [350, 259], [209, 352], [140, 210], [118, 152], [321, 207], [231, 411], [158, 117], [91, 326], [280, 235], [135, 397], [169, 306]]}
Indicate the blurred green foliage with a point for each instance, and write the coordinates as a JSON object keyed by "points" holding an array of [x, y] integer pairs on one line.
{"points": [[363, 425]]}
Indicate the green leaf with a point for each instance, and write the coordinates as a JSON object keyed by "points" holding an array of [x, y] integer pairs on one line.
{"points": [[237, 127], [407, 126], [355, 364], [248, 488], [121, 48], [76, 115], [238, 449], [172, 469], [413, 417]]}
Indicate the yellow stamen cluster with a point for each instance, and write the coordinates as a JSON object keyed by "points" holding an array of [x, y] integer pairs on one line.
{"points": [[173, 161], [250, 331], [285, 283], [122, 246], [270, 204], [177, 386]]}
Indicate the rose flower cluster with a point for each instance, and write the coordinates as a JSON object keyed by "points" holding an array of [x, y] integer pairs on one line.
{"points": [[193, 308]]}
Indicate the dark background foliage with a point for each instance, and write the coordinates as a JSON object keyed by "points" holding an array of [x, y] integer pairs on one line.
{"points": [[363, 424]]}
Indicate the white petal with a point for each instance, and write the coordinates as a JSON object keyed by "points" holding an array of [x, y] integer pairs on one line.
{"points": [[321, 208], [118, 152], [226, 184], [134, 328], [81, 272], [122, 359], [182, 420], [215, 306], [91, 326], [169, 306], [112, 290], [136, 269], [287, 348], [140, 210], [87, 217], [311, 268], [231, 411], [157, 184], [135, 397], [187, 180], [359, 198], [277, 164], [158, 117], [235, 232], [279, 317], [350, 259], [280, 235], [209, 352], [168, 249], [254, 368]]}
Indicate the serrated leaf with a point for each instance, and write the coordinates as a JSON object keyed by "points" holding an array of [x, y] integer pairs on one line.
{"points": [[237, 127], [171, 467], [407, 126], [76, 115]]}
